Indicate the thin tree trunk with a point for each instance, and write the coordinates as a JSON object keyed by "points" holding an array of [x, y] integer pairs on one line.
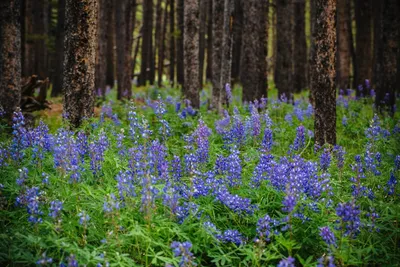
{"points": [[179, 52], [284, 57], [136, 51], [300, 47], [80, 59], [343, 39], [161, 51], [157, 38], [387, 44], [172, 41], [202, 38], [217, 50], [191, 52], [40, 32], [29, 54], [147, 66], [110, 57], [10, 56], [323, 72], [101, 58], [311, 53], [253, 64], [209, 40], [237, 26], [58, 78], [363, 12]]}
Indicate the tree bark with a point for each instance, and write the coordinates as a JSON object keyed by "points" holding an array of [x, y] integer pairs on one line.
{"points": [[237, 26], [209, 41], [284, 57], [59, 54], [323, 72], [110, 45], [125, 17], [300, 59], [343, 55], [311, 52], [387, 45], [217, 50], [79, 60], [179, 47], [172, 41], [157, 38], [202, 37], [40, 35], [161, 50], [253, 65], [191, 52], [10, 56], [29, 55], [147, 63], [363, 12]]}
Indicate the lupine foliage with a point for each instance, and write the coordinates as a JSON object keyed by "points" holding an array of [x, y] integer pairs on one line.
{"points": [[162, 184]]}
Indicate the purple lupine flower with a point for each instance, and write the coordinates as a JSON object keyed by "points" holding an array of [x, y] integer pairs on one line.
{"points": [[44, 260], [182, 250], [72, 262], [212, 229], [397, 162], [264, 227], [289, 119], [344, 121], [289, 203], [97, 150], [289, 262], [23, 175], [300, 140], [349, 214], [255, 122], [391, 185], [55, 208], [267, 141], [238, 132], [339, 153], [31, 200], [228, 93], [111, 205], [125, 185], [299, 113], [263, 169], [201, 136], [325, 160], [309, 111], [233, 236], [21, 139], [84, 218], [186, 209], [327, 235]]}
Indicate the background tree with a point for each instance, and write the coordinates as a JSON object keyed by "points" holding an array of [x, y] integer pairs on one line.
{"points": [[179, 42], [253, 64], [202, 36], [110, 44], [387, 47], [237, 26], [343, 44], [172, 41], [191, 52], [10, 56], [59, 53], [300, 46], [217, 50], [40, 35], [161, 49], [79, 59], [323, 72], [147, 63], [284, 56], [209, 40], [363, 14]]}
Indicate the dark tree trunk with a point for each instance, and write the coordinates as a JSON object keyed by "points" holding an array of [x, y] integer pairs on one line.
{"points": [[343, 55], [172, 41], [136, 51], [125, 17], [253, 65], [40, 35], [161, 50], [209, 40], [363, 12], [179, 43], [284, 57], [29, 55], [311, 52], [217, 50], [387, 43], [110, 45], [10, 56], [300, 47], [157, 38], [101, 58], [323, 72], [79, 60], [202, 37], [191, 52], [237, 26], [59, 54], [147, 66]]}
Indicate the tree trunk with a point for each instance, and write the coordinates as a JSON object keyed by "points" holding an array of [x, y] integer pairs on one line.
{"points": [[253, 63], [29, 56], [40, 35], [161, 50], [59, 54], [284, 57], [311, 52], [363, 12], [202, 37], [172, 41], [79, 60], [217, 50], [110, 45], [147, 45], [237, 26], [323, 72], [10, 56], [209, 40], [191, 52], [343, 55], [387, 44], [300, 47], [179, 52], [157, 37], [125, 17], [101, 58]]}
